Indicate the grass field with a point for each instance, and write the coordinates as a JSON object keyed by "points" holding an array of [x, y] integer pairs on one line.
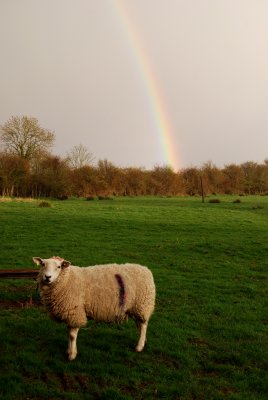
{"points": [[208, 336]]}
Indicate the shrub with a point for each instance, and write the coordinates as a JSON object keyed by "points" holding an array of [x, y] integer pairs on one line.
{"points": [[237, 201], [105, 198], [62, 197], [257, 207], [214, 201], [90, 198], [44, 204]]}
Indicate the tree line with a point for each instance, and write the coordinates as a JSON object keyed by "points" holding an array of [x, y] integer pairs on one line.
{"points": [[29, 169]]}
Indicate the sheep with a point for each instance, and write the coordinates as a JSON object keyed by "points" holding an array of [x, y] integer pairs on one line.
{"points": [[109, 293]]}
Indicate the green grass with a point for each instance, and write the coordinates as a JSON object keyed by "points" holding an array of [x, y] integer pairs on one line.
{"points": [[208, 336]]}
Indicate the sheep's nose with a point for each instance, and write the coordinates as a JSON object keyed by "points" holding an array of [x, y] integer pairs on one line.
{"points": [[47, 277]]}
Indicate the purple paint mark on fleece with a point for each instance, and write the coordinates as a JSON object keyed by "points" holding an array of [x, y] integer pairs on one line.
{"points": [[122, 292]]}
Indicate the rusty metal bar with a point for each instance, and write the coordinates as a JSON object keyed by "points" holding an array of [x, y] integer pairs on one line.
{"points": [[18, 273]]}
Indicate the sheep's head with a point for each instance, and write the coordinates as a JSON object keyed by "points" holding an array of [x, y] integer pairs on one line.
{"points": [[50, 268]]}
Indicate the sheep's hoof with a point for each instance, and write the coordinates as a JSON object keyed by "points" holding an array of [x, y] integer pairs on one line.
{"points": [[139, 349], [71, 356]]}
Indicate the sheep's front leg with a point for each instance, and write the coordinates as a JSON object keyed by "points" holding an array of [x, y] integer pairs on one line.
{"points": [[143, 329], [72, 349]]}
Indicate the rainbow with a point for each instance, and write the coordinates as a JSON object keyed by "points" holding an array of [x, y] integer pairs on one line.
{"points": [[160, 117]]}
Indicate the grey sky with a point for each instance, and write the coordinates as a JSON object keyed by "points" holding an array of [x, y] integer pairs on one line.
{"points": [[70, 64]]}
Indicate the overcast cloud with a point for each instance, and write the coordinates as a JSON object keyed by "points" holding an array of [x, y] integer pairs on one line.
{"points": [[71, 65]]}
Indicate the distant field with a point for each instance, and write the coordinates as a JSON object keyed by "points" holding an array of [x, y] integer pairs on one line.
{"points": [[208, 337]]}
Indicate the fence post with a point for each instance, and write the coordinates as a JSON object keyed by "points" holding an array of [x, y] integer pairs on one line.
{"points": [[202, 189]]}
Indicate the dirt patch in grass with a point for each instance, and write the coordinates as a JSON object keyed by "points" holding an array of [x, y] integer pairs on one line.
{"points": [[169, 362], [62, 382], [206, 374], [15, 304], [72, 383], [198, 342], [83, 381], [228, 391], [23, 289]]}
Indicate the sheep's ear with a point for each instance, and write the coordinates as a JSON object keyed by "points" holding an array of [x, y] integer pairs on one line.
{"points": [[65, 264], [38, 260]]}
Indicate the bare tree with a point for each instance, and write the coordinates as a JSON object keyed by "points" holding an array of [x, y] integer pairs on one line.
{"points": [[79, 157], [23, 136], [14, 175]]}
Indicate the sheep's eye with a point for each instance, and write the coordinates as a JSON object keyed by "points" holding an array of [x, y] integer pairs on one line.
{"points": [[59, 267]]}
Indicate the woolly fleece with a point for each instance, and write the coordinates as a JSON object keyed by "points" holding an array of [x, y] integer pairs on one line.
{"points": [[79, 294]]}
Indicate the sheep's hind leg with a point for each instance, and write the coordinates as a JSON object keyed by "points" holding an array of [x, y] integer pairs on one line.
{"points": [[142, 329], [72, 349]]}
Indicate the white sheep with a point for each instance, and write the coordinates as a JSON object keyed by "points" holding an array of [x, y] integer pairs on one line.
{"points": [[108, 293]]}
